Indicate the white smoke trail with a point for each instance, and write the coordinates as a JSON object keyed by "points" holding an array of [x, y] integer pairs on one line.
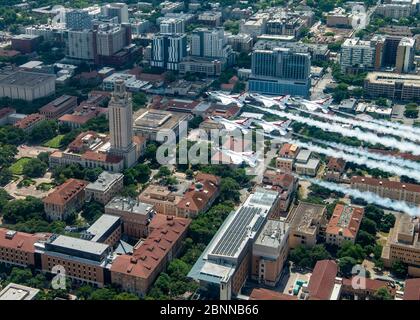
{"points": [[365, 153], [357, 159], [367, 125], [368, 197], [356, 133], [390, 124]]}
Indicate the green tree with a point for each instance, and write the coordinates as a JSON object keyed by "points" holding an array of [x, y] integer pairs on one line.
{"points": [[400, 269], [382, 294], [348, 249], [6, 176], [45, 130], [229, 190], [34, 168], [345, 265]]}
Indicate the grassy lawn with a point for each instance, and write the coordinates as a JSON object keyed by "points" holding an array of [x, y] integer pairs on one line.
{"points": [[54, 142], [17, 167]]}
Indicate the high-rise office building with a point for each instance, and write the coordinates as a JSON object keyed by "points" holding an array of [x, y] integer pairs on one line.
{"points": [[357, 53], [121, 124], [119, 10], [80, 45], [405, 55], [78, 19], [280, 71], [111, 38], [172, 25], [209, 43], [168, 50]]}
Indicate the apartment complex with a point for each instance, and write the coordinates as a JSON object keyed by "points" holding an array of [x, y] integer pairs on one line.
{"points": [[105, 187], [168, 50], [135, 215], [307, 224], [26, 85], [400, 191], [58, 107], [66, 199], [403, 244], [344, 224]]}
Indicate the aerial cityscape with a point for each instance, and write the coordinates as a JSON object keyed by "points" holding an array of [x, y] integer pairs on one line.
{"points": [[226, 150]]}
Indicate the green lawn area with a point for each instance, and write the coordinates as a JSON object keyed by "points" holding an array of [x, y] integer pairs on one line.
{"points": [[54, 142], [17, 167]]}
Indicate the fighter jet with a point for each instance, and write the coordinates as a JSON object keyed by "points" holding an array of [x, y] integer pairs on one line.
{"points": [[266, 101], [231, 125], [316, 105], [226, 98], [269, 127], [238, 158]]}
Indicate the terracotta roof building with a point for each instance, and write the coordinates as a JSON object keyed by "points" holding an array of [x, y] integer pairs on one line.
{"points": [[394, 190], [28, 123], [200, 195], [287, 156], [65, 199], [265, 294], [412, 289], [344, 224], [136, 273], [362, 288], [17, 248], [335, 168], [322, 284]]}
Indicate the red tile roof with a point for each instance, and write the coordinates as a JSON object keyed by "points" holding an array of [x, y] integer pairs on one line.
{"points": [[321, 283], [21, 240], [288, 150], [412, 289], [371, 285], [65, 192], [349, 228], [404, 155], [101, 157], [336, 164], [148, 256], [197, 199], [29, 120], [386, 183], [265, 294], [80, 119]]}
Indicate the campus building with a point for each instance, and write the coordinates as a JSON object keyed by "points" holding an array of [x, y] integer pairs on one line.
{"points": [[105, 187], [65, 200]]}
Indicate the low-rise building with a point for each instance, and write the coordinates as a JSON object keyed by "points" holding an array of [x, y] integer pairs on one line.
{"points": [[18, 248], [200, 196], [149, 123], [105, 187], [29, 122], [135, 215], [14, 291], [403, 244], [136, 273], [405, 87], [361, 288], [324, 284], [286, 184], [26, 85], [269, 252], [305, 164], [58, 107], [66, 199], [344, 224], [394, 190], [106, 229], [83, 261], [335, 169], [25, 43], [286, 157], [307, 224], [412, 289]]}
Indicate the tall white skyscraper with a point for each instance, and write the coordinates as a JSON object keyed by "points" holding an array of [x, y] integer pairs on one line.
{"points": [[121, 124], [210, 43]]}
